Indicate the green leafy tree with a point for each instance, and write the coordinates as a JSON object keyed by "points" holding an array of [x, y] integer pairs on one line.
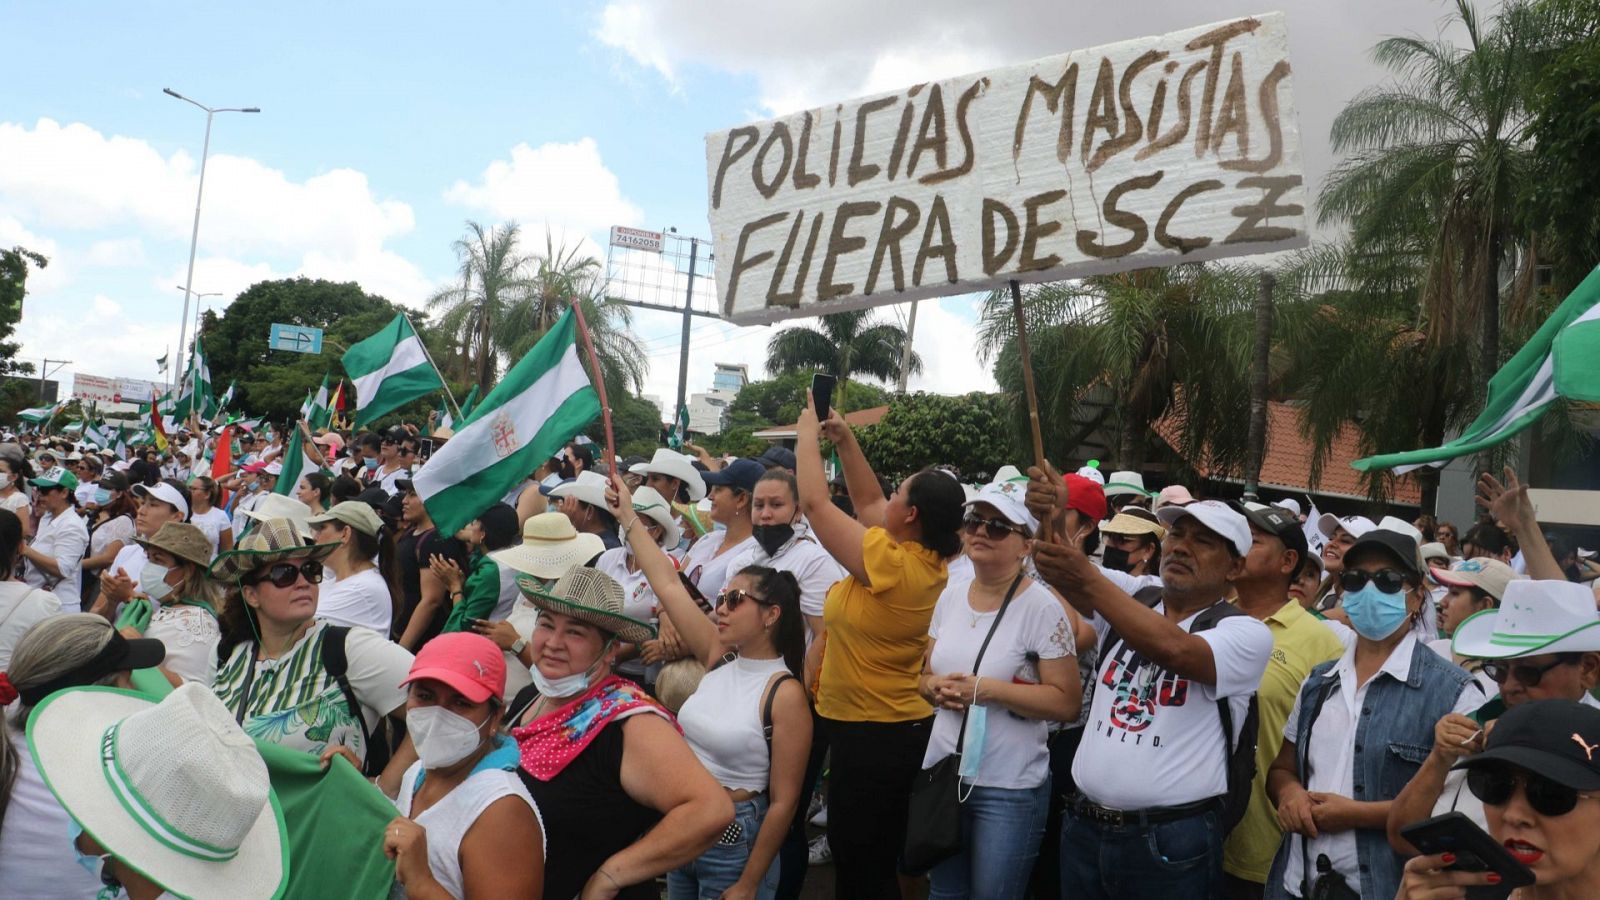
{"points": [[779, 400], [971, 432], [736, 441], [273, 383], [1564, 204], [15, 393], [848, 345], [635, 424], [1155, 341]]}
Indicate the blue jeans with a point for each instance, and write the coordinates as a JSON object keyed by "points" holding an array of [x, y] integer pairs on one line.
{"points": [[1178, 860], [719, 867], [1000, 833]]}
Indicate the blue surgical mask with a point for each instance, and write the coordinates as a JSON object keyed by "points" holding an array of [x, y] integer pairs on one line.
{"points": [[370, 463], [972, 745], [1374, 614], [101, 497]]}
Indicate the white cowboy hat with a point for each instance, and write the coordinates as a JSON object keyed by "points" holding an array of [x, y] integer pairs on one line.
{"points": [[1124, 483], [1534, 618], [281, 506], [175, 789], [589, 487], [550, 546], [676, 465], [647, 501], [1007, 473]]}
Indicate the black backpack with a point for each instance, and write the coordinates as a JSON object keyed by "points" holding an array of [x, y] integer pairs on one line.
{"points": [[336, 663], [1242, 755]]}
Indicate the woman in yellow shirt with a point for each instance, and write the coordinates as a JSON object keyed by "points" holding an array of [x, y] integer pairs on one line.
{"points": [[876, 630]]}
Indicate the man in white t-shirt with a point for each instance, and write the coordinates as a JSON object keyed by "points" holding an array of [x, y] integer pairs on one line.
{"points": [[159, 504], [1152, 770], [54, 558]]}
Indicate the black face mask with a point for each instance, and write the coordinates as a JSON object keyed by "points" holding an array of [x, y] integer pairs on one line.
{"points": [[1116, 558], [567, 470], [772, 537]]}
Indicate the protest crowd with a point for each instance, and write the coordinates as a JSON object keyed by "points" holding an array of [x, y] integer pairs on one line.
{"points": [[628, 676]]}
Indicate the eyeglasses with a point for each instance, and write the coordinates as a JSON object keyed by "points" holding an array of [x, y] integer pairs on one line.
{"points": [[1527, 676], [1494, 785], [732, 598], [994, 529], [1390, 581], [284, 574]]}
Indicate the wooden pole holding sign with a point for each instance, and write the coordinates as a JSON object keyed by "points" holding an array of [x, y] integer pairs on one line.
{"points": [[1031, 394], [597, 375]]}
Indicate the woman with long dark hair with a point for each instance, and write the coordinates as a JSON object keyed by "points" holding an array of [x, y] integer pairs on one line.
{"points": [[748, 722], [111, 529]]}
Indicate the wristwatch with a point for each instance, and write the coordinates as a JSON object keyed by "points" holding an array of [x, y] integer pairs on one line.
{"points": [[517, 645]]}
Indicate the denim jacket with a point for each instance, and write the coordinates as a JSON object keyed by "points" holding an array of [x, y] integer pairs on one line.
{"points": [[1394, 736]]}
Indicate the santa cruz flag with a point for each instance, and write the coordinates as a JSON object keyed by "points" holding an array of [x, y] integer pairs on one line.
{"points": [[541, 403], [390, 369]]}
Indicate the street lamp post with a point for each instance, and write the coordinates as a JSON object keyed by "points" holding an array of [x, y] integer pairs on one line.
{"points": [[194, 235], [199, 307]]}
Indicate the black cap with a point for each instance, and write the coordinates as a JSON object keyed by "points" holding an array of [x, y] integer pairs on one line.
{"points": [[1278, 522], [117, 654], [113, 481], [375, 497], [1401, 546], [1557, 739], [404, 486], [741, 473], [782, 457]]}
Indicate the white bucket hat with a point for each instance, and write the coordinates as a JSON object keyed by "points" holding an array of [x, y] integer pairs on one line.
{"points": [[1007, 499], [550, 546], [1534, 618], [674, 465], [1125, 484], [1357, 526], [647, 501], [175, 789]]}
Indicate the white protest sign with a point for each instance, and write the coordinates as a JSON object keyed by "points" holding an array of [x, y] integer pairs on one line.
{"points": [[1169, 149]]}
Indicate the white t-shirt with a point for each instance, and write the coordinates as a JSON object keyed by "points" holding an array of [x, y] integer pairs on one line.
{"points": [[386, 480], [1152, 737], [118, 529], [62, 537], [1332, 754], [638, 600], [811, 565], [21, 607], [360, 599], [211, 522], [1014, 755], [36, 858], [130, 559], [707, 569], [191, 636], [18, 503]]}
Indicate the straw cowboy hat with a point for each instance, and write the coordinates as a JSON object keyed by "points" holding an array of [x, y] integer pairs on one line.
{"points": [[550, 546], [275, 540], [1534, 618], [647, 501], [675, 465], [175, 789], [182, 540], [588, 595]]}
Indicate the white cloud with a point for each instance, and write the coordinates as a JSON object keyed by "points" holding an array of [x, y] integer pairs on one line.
{"points": [[566, 187], [54, 275], [104, 307], [116, 253]]}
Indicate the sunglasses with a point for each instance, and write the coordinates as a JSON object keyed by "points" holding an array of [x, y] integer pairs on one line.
{"points": [[1390, 581], [994, 529], [732, 598], [284, 574], [1527, 676], [1494, 785]]}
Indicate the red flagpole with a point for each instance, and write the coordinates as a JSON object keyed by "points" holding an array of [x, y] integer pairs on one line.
{"points": [[597, 376]]}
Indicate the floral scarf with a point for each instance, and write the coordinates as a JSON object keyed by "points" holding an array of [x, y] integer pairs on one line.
{"points": [[552, 741]]}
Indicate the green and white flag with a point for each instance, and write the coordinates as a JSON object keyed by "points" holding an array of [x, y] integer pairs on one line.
{"points": [[1561, 360], [319, 415], [389, 369], [195, 394], [293, 461], [469, 404], [227, 397], [542, 402], [38, 415], [679, 435], [121, 445]]}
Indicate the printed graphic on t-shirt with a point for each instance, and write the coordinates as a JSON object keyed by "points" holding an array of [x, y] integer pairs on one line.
{"points": [[1139, 690]]}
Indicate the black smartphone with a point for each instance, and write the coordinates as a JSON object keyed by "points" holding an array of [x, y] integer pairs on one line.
{"points": [[1475, 851], [822, 393]]}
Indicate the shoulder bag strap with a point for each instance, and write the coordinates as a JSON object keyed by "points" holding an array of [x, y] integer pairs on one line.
{"points": [[1307, 874], [961, 736], [766, 711]]}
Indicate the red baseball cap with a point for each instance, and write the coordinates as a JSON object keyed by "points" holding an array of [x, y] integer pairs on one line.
{"points": [[1085, 496], [470, 663]]}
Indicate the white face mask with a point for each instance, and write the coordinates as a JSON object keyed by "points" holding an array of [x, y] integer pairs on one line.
{"points": [[153, 581], [5, 481], [441, 737], [566, 685]]}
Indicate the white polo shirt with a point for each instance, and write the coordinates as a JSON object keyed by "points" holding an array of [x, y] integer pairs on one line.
{"points": [[62, 537]]}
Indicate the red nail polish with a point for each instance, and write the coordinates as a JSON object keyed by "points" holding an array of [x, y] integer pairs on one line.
{"points": [[1493, 877], [1447, 858]]}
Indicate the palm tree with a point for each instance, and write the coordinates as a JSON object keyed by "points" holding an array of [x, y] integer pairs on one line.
{"points": [[1156, 341], [846, 344], [492, 278], [1435, 164]]}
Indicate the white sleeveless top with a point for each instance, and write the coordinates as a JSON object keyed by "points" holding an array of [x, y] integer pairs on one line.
{"points": [[722, 722], [448, 820]]}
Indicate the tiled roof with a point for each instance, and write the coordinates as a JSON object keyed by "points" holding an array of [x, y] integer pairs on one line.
{"points": [[1287, 465]]}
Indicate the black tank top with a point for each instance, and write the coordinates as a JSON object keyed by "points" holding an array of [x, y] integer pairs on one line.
{"points": [[588, 816]]}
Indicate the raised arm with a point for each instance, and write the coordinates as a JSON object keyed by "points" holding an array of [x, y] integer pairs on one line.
{"points": [[1509, 504], [697, 632], [839, 534]]}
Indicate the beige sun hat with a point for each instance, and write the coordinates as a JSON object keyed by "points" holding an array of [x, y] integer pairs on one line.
{"points": [[175, 789], [550, 546], [274, 541], [184, 541], [588, 595], [356, 514]]}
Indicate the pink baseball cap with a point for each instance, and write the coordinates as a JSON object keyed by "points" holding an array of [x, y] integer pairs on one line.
{"points": [[470, 663]]}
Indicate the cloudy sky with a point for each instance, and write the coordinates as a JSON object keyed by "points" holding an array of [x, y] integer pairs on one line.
{"points": [[385, 127]]}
